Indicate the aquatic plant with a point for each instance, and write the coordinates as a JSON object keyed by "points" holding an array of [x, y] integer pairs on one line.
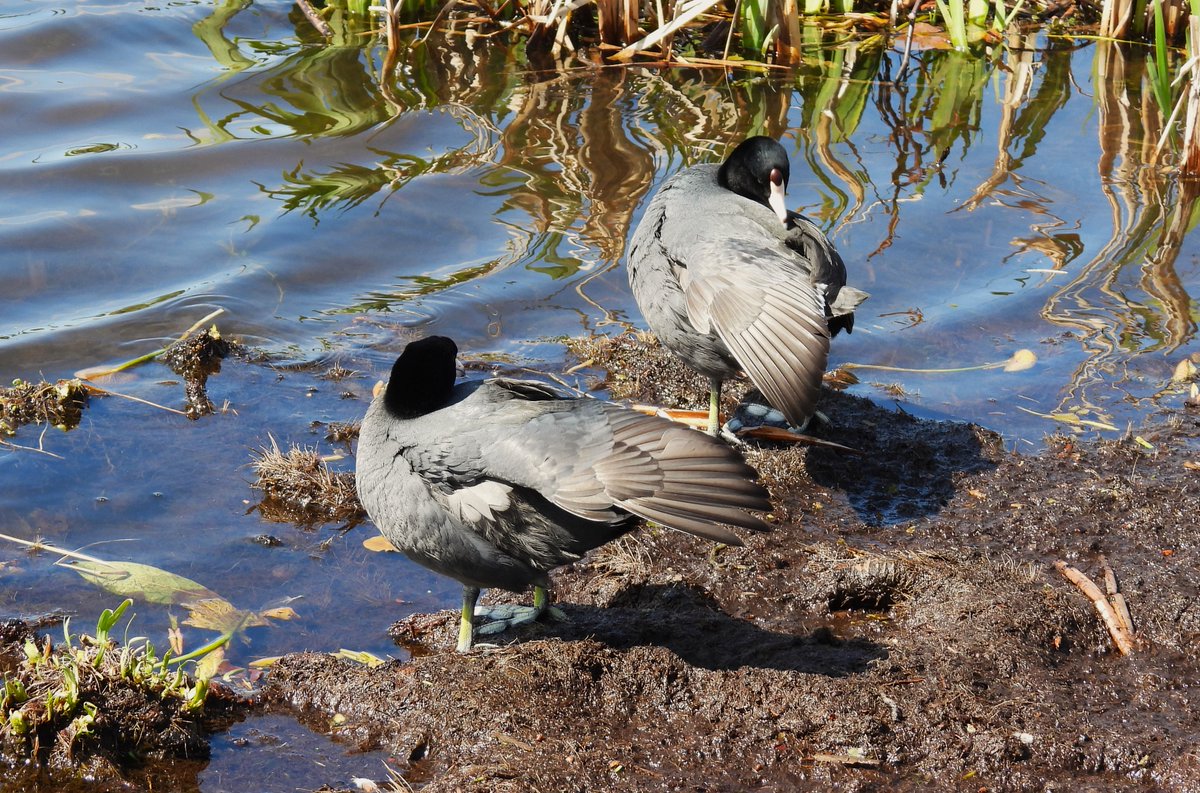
{"points": [[71, 697], [752, 29]]}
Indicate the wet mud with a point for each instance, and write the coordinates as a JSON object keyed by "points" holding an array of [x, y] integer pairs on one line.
{"points": [[194, 358], [903, 628]]}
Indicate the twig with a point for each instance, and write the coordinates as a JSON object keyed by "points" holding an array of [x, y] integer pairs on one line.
{"points": [[445, 9], [106, 392], [779, 434], [317, 22], [561, 382], [854, 757], [1019, 361], [41, 546], [908, 41], [579, 366], [12, 445], [1120, 606], [1120, 635]]}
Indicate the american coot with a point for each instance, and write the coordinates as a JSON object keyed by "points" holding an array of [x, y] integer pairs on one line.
{"points": [[730, 280], [496, 482]]}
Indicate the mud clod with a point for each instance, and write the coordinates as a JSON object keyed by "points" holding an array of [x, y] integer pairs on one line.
{"points": [[59, 404], [194, 358]]}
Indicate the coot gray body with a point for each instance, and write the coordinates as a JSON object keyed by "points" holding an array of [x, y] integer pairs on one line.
{"points": [[497, 482], [730, 280]]}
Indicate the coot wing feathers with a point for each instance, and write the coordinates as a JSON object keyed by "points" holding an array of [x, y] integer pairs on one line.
{"points": [[772, 322], [594, 460]]}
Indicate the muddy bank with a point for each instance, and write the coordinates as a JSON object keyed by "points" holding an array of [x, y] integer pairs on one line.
{"points": [[902, 628]]}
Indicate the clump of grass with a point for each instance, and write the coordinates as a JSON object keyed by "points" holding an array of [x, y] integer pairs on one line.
{"points": [[85, 697], [625, 558], [59, 404], [342, 431], [299, 487], [338, 372]]}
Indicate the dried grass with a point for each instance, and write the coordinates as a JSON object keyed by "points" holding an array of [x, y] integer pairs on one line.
{"points": [[299, 487], [627, 557]]}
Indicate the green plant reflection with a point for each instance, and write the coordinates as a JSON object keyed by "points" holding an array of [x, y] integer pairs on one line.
{"points": [[568, 155]]}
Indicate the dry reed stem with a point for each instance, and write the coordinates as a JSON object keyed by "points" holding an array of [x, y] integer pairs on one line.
{"points": [[1191, 132], [688, 11], [1120, 635], [315, 18], [95, 389], [38, 449]]}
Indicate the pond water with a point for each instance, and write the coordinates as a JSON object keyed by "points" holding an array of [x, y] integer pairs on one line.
{"points": [[160, 161]]}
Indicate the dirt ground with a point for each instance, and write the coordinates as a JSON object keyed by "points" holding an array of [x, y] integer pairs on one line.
{"points": [[903, 628]]}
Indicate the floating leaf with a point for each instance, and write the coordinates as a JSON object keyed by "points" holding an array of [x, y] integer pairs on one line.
{"points": [[264, 663], [218, 614], [1069, 418], [281, 613], [378, 543], [142, 582], [1185, 371], [1020, 361], [1145, 444]]}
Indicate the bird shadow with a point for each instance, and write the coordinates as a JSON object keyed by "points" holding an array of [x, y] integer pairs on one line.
{"points": [[686, 620], [906, 467]]}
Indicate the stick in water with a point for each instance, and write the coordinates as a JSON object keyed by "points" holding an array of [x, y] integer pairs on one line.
{"points": [[102, 371]]}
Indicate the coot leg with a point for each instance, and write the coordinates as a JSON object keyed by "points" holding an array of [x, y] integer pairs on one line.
{"points": [[714, 405], [467, 621]]}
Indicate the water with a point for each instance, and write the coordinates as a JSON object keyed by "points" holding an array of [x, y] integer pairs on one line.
{"points": [[158, 162]]}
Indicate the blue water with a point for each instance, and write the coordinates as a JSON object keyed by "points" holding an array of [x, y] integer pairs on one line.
{"points": [[161, 161]]}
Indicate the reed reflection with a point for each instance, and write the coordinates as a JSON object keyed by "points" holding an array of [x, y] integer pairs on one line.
{"points": [[570, 155]]}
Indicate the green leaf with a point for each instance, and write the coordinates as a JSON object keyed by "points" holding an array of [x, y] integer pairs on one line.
{"points": [[207, 667], [142, 582]]}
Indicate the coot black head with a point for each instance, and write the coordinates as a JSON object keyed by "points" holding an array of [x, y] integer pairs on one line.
{"points": [[422, 377], [758, 169]]}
